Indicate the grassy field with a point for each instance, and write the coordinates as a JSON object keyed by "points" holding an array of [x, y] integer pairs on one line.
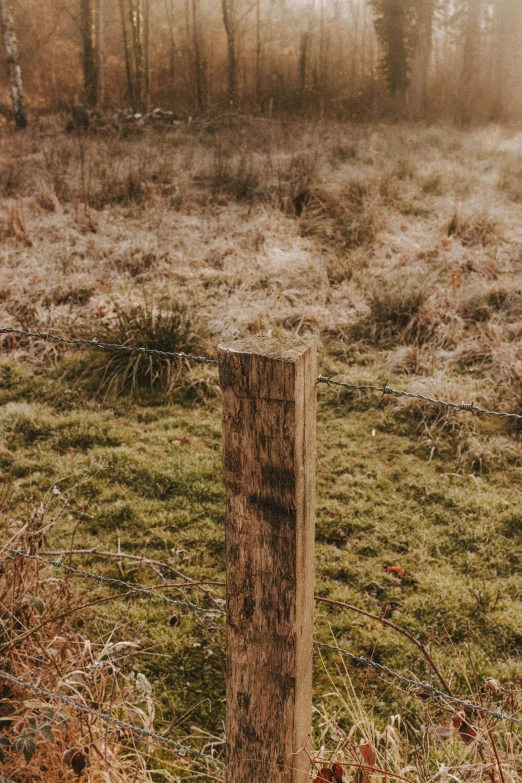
{"points": [[400, 249]]}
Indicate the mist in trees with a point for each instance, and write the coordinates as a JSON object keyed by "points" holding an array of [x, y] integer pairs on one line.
{"points": [[353, 59]]}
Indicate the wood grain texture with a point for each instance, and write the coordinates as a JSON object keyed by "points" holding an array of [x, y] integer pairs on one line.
{"points": [[269, 424]]}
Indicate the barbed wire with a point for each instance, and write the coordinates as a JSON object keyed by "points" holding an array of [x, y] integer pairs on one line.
{"points": [[94, 343], [361, 661], [109, 580], [108, 718], [384, 390], [461, 406], [423, 688]]}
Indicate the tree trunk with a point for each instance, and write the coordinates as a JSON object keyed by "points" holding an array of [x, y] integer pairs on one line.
{"points": [[128, 64], [197, 56], [229, 20], [88, 24], [508, 45], [258, 52], [169, 12], [470, 62], [136, 22], [99, 51], [421, 58], [15, 72], [303, 65], [146, 48]]}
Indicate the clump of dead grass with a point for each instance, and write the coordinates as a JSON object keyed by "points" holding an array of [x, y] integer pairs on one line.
{"points": [[344, 220], [399, 312], [474, 229], [169, 327], [233, 176], [432, 736], [481, 302]]}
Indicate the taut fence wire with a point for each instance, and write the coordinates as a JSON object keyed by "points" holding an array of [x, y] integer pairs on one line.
{"points": [[94, 343], [328, 380], [384, 390], [422, 688], [145, 733], [14, 553]]}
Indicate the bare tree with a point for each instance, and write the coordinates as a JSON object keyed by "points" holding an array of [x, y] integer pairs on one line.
{"points": [[15, 72], [135, 9], [258, 52], [422, 38], [229, 20], [99, 50], [126, 51], [146, 49], [470, 63], [89, 29], [508, 43], [197, 55]]}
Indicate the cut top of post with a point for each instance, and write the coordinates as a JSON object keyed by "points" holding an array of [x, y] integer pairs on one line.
{"points": [[244, 366]]}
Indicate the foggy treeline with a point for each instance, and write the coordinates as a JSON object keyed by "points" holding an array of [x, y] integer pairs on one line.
{"points": [[353, 59]]}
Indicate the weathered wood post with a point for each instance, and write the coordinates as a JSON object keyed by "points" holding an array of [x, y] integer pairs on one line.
{"points": [[269, 425]]}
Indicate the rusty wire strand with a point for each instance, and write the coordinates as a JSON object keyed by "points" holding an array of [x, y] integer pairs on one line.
{"points": [[461, 406], [94, 343], [108, 718]]}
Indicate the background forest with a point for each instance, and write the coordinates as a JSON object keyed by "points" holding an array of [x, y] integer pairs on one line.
{"points": [[352, 59]]}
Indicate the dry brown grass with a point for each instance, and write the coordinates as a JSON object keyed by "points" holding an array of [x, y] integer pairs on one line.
{"points": [[400, 236], [43, 739], [52, 636]]}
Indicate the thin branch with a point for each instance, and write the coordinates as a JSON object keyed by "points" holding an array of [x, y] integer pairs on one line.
{"points": [[395, 627]]}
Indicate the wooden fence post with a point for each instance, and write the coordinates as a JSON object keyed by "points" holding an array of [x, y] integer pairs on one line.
{"points": [[269, 425]]}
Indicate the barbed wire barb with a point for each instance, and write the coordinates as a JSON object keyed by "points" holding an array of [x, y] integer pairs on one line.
{"points": [[14, 553], [108, 718], [428, 689], [93, 342], [384, 390]]}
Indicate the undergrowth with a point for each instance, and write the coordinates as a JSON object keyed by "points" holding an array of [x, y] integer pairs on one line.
{"points": [[399, 249]]}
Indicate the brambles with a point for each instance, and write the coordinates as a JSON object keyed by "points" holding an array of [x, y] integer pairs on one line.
{"points": [[38, 734]]}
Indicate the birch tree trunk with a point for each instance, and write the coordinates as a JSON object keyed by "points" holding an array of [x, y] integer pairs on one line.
{"points": [[15, 72], [421, 58]]}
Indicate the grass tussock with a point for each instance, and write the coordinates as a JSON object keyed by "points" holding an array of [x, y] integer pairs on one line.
{"points": [[480, 229], [167, 327], [343, 221], [399, 312]]}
